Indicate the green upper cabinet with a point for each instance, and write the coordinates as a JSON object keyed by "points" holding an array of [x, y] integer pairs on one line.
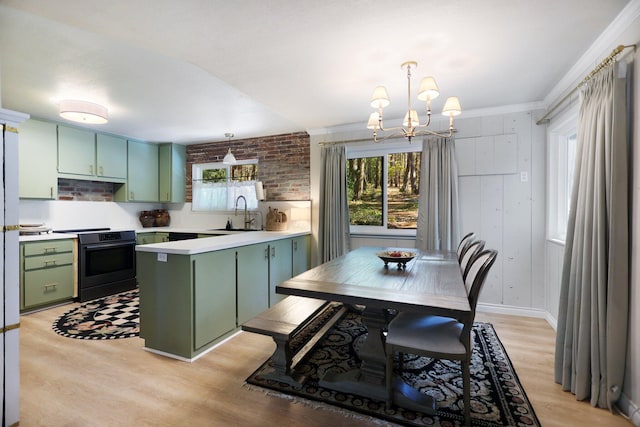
{"points": [[142, 178], [38, 168], [84, 155], [111, 156], [172, 167], [76, 152]]}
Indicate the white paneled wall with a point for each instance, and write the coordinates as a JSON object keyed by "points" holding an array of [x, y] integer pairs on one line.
{"points": [[502, 180], [501, 168]]}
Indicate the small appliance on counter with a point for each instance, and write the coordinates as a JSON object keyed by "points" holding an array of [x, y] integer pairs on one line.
{"points": [[33, 229]]}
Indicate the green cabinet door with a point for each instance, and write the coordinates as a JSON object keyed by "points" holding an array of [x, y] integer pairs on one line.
{"points": [[252, 281], [214, 297], [300, 246], [142, 174], [279, 267], [38, 167], [111, 156], [172, 168], [76, 152]]}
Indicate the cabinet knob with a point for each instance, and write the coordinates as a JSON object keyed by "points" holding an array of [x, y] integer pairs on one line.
{"points": [[273, 251], [101, 170], [131, 197], [266, 253], [91, 169], [49, 263]]}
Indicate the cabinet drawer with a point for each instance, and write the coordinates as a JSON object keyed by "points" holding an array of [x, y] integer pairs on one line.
{"points": [[48, 261], [48, 247], [44, 286]]}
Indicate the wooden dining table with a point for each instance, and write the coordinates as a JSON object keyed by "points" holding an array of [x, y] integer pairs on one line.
{"points": [[429, 283]]}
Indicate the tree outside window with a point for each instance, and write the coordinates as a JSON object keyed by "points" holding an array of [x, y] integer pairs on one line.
{"points": [[383, 190]]}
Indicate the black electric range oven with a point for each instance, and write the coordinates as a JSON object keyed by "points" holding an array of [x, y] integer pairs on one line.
{"points": [[106, 262]]}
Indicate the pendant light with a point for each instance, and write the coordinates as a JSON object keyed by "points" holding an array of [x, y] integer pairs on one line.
{"points": [[229, 158]]}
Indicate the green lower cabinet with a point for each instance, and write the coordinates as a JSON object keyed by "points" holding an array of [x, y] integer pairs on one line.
{"points": [[279, 267], [46, 273], [300, 254], [187, 301], [253, 281]]}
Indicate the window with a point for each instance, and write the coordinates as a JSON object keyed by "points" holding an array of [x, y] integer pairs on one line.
{"points": [[561, 160], [216, 186], [383, 187]]}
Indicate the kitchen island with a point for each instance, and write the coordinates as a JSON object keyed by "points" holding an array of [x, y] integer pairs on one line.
{"points": [[195, 293]]}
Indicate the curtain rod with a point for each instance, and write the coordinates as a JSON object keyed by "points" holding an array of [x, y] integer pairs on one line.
{"points": [[615, 52], [370, 139]]}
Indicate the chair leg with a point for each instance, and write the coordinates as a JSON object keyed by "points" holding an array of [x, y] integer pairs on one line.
{"points": [[389, 375], [466, 390]]}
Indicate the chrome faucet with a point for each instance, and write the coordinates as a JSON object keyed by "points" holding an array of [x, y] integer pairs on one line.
{"points": [[247, 220]]}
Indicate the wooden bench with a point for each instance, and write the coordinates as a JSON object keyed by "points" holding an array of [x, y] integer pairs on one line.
{"points": [[284, 322]]}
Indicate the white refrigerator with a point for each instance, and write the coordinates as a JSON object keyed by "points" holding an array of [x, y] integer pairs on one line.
{"points": [[9, 259]]}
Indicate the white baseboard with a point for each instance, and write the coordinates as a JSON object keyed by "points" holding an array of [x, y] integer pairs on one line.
{"points": [[519, 311], [630, 410]]}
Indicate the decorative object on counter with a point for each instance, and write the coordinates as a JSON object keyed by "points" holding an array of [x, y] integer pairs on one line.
{"points": [[276, 220], [147, 219], [33, 229], [499, 398], [162, 217], [108, 318]]}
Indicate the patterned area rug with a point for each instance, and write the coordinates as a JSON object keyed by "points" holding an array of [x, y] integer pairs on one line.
{"points": [[108, 318], [497, 397]]}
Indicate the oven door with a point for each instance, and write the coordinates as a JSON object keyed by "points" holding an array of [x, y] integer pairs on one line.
{"points": [[103, 263]]}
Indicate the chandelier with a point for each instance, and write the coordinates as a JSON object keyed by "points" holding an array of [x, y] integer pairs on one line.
{"points": [[411, 125]]}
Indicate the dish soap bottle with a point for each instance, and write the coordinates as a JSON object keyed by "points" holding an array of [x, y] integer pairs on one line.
{"points": [[228, 227]]}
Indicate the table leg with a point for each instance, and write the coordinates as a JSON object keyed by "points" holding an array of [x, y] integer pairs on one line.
{"points": [[369, 380]]}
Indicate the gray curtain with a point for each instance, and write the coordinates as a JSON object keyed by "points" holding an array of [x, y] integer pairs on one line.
{"points": [[438, 209], [591, 341], [333, 230]]}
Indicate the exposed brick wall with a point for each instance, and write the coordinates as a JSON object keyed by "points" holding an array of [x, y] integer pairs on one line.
{"points": [[283, 162], [95, 191]]}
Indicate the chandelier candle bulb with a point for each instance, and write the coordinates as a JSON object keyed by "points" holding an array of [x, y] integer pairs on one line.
{"points": [[411, 126]]}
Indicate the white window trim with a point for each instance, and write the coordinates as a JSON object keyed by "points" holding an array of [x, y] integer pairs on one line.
{"points": [[395, 145], [196, 175], [558, 193]]}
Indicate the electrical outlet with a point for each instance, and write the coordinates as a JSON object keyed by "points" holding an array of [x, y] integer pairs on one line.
{"points": [[162, 257], [524, 176]]}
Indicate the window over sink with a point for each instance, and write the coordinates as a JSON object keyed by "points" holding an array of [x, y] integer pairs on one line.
{"points": [[216, 186]]}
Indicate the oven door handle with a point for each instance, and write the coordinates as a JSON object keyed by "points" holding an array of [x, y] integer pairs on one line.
{"points": [[109, 245]]}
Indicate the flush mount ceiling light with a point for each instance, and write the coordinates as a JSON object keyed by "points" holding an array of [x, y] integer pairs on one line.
{"points": [[411, 125], [229, 158], [83, 112]]}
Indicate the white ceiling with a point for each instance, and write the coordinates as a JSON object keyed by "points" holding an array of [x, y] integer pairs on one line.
{"points": [[191, 70]]}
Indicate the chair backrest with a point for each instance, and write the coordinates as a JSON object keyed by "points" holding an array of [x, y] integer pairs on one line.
{"points": [[467, 256], [476, 275], [464, 243]]}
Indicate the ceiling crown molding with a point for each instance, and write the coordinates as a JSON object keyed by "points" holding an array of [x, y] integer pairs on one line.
{"points": [[600, 48]]}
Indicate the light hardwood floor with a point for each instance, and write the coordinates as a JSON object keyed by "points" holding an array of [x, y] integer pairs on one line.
{"points": [[67, 382]]}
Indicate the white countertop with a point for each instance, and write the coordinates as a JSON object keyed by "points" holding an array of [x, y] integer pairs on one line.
{"points": [[47, 236], [215, 243]]}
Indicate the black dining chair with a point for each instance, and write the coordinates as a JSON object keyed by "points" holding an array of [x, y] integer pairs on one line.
{"points": [[473, 249], [464, 243], [437, 336]]}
